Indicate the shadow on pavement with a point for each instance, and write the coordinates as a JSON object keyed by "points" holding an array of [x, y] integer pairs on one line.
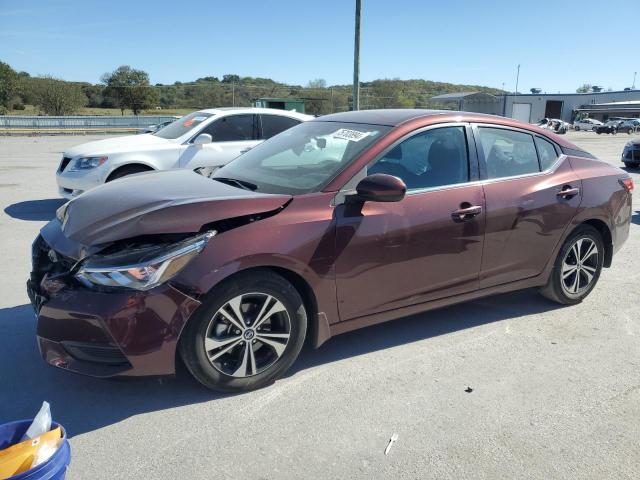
{"points": [[83, 404], [635, 218], [35, 210]]}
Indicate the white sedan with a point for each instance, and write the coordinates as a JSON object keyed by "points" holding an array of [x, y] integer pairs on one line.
{"points": [[207, 138], [588, 124]]}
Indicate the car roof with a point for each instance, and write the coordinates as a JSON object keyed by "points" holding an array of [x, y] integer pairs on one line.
{"points": [[390, 117], [423, 117], [271, 111]]}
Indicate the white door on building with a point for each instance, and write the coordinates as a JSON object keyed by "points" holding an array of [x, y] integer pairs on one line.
{"points": [[522, 112]]}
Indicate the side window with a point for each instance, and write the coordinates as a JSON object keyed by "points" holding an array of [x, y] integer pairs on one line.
{"points": [[508, 153], [432, 158], [274, 124], [546, 152], [232, 128]]}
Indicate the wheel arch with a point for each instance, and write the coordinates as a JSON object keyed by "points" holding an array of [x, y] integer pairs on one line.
{"points": [[123, 166], [317, 324], [607, 238]]}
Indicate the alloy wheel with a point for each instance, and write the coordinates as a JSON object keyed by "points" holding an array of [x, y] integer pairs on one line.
{"points": [[579, 266], [247, 335]]}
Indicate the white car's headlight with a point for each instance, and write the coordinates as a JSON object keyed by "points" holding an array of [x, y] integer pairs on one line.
{"points": [[141, 268], [87, 163]]}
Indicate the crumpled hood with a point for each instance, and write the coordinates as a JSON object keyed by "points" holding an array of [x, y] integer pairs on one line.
{"points": [[115, 145], [176, 201]]}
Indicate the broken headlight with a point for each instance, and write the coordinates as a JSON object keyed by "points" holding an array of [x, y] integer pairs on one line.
{"points": [[141, 268]]}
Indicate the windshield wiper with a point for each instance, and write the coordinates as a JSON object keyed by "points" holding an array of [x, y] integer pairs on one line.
{"points": [[238, 183]]}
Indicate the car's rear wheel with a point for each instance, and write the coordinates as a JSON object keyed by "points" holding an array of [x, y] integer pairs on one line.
{"points": [[577, 267], [246, 334]]}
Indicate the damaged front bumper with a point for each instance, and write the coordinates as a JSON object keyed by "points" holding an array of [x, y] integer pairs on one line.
{"points": [[104, 333]]}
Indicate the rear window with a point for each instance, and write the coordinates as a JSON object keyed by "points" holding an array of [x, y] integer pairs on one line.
{"points": [[508, 153], [546, 152], [182, 125], [275, 124]]}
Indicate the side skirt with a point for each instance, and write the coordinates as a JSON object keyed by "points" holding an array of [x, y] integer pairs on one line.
{"points": [[381, 317]]}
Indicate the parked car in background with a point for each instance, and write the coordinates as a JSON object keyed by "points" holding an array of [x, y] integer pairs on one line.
{"points": [[155, 128], [207, 138], [631, 154], [555, 125], [631, 125], [586, 124], [341, 222], [612, 127]]}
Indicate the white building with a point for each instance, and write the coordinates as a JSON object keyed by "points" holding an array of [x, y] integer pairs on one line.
{"points": [[532, 108]]}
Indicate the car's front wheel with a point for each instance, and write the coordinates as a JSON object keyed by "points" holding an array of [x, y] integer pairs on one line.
{"points": [[577, 128], [246, 334], [577, 267]]}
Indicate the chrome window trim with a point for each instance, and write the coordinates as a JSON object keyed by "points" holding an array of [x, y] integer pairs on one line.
{"points": [[546, 172]]}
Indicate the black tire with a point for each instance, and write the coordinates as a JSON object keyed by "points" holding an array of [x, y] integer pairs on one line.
{"points": [[192, 342], [554, 289], [127, 170], [576, 128]]}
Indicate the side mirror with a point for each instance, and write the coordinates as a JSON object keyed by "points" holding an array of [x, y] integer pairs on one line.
{"points": [[203, 139], [380, 187]]}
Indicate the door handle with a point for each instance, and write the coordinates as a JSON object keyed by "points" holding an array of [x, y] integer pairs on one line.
{"points": [[467, 213], [245, 150], [568, 192]]}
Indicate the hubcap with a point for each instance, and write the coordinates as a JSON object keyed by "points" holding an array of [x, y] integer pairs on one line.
{"points": [[579, 266], [247, 334]]}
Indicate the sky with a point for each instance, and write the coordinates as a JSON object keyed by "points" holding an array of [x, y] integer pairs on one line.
{"points": [[559, 44]]}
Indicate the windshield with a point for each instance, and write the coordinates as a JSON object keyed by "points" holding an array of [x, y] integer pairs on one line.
{"points": [[302, 159], [183, 125]]}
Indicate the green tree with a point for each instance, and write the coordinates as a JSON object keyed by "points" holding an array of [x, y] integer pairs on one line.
{"points": [[57, 97], [230, 78], [130, 88], [8, 84], [585, 88]]}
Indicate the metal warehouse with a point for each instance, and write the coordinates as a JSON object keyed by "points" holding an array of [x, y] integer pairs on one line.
{"points": [[534, 107]]}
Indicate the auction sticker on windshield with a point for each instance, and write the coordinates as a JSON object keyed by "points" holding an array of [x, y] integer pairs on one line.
{"points": [[348, 134]]}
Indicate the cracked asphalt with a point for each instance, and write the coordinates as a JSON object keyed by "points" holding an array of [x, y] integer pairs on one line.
{"points": [[556, 390]]}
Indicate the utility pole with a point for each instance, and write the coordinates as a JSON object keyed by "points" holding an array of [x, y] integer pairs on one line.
{"points": [[356, 60], [633, 85], [517, 79]]}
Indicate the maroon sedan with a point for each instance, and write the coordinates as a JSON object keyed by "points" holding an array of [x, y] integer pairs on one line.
{"points": [[342, 222]]}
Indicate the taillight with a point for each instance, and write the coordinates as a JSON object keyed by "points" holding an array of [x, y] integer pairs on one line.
{"points": [[627, 183]]}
